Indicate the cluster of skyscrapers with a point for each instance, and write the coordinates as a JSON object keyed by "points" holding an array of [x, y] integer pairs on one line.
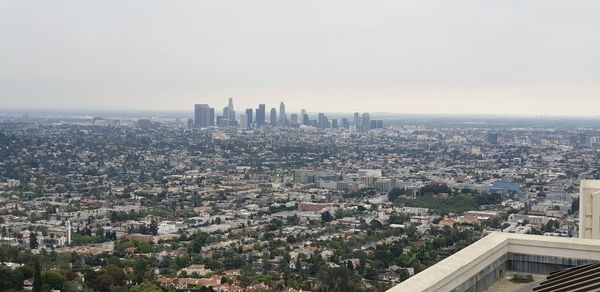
{"points": [[204, 116]]}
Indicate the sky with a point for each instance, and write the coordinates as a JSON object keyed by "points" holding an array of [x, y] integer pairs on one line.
{"points": [[437, 57]]}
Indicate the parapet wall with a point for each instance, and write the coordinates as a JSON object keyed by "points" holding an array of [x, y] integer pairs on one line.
{"points": [[479, 265]]}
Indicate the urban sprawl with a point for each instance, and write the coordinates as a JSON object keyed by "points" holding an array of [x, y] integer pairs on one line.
{"points": [[305, 202]]}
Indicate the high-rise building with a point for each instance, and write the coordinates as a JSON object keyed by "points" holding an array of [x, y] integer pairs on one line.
{"points": [[294, 119], [273, 117], [582, 139], [225, 113], [357, 122], [282, 115], [366, 121], [202, 115], [260, 115], [147, 124], [222, 121], [334, 123], [492, 138], [230, 111], [249, 117], [304, 117], [321, 121], [345, 123], [376, 124], [211, 116], [243, 121]]}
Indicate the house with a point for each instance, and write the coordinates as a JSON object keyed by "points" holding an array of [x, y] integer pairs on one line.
{"points": [[199, 270]]}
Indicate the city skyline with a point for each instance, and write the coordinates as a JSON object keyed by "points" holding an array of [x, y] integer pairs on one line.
{"points": [[204, 116], [428, 57], [277, 145]]}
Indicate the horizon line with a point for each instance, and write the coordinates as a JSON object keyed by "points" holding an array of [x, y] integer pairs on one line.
{"points": [[179, 111]]}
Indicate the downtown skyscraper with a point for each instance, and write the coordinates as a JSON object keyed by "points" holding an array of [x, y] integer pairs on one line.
{"points": [[249, 117], [202, 116], [260, 115], [228, 111], [273, 117], [282, 115]]}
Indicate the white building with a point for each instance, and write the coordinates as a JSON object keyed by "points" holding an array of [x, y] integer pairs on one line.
{"points": [[483, 263], [589, 209]]}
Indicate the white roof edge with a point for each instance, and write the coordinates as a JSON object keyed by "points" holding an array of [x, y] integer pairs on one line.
{"points": [[457, 268], [593, 184]]}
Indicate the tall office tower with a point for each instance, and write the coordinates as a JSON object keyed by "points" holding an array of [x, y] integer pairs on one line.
{"points": [[249, 117], [201, 115], [211, 116], [321, 121], [334, 123], [222, 121], [146, 124], [294, 119], [231, 112], [225, 113], [366, 121], [373, 124], [273, 117], [492, 138], [282, 116], [260, 115], [357, 123], [302, 115], [190, 123], [345, 123], [243, 121]]}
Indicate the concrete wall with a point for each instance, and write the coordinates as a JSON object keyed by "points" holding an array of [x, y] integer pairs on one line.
{"points": [[542, 265], [589, 209], [485, 278], [479, 265]]}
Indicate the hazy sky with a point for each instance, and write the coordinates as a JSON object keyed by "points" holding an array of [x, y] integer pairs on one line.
{"points": [[420, 56]]}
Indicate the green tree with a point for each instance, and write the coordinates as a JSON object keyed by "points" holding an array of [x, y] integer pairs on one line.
{"points": [[33, 242], [53, 279], [142, 270], [146, 287], [103, 283], [395, 193], [37, 277], [10, 280], [115, 273], [200, 239], [326, 216], [339, 279], [153, 227]]}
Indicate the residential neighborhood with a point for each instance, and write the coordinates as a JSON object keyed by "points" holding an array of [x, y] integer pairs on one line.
{"points": [[107, 204]]}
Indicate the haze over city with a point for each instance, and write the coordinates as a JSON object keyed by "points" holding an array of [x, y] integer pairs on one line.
{"points": [[294, 146], [440, 57]]}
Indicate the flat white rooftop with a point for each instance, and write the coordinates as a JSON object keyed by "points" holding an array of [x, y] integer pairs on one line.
{"points": [[466, 266]]}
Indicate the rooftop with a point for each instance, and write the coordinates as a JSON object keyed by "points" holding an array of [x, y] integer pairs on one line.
{"points": [[484, 258]]}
